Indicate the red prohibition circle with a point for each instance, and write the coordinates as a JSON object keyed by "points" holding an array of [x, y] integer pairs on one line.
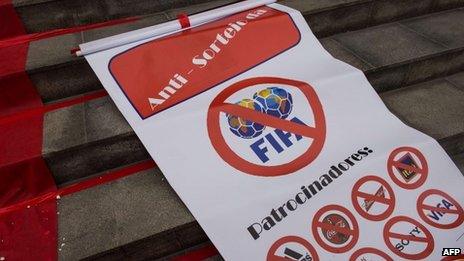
{"points": [[428, 239], [422, 172], [354, 233], [317, 132], [369, 250], [421, 207], [271, 253], [356, 193]]}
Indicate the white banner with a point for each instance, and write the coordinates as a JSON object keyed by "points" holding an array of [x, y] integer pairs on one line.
{"points": [[279, 150]]}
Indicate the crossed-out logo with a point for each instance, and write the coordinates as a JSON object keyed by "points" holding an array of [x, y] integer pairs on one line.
{"points": [[407, 167], [368, 203], [292, 248], [408, 238], [332, 235], [407, 160], [267, 126], [335, 229], [272, 101]]}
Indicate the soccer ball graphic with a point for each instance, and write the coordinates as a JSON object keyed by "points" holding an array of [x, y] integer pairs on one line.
{"points": [[275, 101], [244, 128]]}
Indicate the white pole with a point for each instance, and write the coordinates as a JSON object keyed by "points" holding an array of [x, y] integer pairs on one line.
{"points": [[167, 28]]}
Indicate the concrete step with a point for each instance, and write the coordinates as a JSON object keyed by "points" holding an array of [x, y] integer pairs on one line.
{"points": [[140, 217], [58, 75], [92, 137], [70, 13], [331, 15]]}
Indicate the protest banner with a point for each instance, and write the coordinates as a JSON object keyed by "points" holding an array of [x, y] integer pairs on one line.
{"points": [[268, 139]]}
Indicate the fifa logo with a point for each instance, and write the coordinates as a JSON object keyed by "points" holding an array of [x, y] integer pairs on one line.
{"points": [[273, 101], [255, 127]]}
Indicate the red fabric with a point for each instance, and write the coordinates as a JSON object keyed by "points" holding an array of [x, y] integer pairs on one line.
{"points": [[198, 255], [28, 220], [184, 20], [108, 177], [28, 232], [12, 59], [76, 187], [11, 24], [39, 111]]}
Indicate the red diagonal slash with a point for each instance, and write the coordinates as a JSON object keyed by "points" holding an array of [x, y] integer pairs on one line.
{"points": [[317, 132], [267, 120], [343, 230], [356, 193], [353, 233], [407, 167], [422, 171], [427, 239], [458, 211]]}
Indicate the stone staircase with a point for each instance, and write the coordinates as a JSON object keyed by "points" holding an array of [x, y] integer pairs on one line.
{"points": [[412, 52]]}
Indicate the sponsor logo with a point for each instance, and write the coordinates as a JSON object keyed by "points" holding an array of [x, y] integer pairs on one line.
{"points": [[406, 174], [267, 126], [292, 248], [273, 101], [333, 236], [369, 203]]}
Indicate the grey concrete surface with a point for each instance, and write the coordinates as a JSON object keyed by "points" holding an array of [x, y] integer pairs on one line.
{"points": [[193, 9], [325, 18], [65, 81], [98, 33], [388, 44], [57, 135], [445, 28], [435, 108], [117, 213], [386, 11], [392, 55], [86, 122], [331, 21], [457, 79], [91, 158], [68, 13], [338, 51], [52, 51]]}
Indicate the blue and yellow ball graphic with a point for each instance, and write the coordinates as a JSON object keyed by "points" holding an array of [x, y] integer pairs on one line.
{"points": [[275, 101], [244, 128]]}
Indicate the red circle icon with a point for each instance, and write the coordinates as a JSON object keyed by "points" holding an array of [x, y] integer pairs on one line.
{"points": [[369, 251], [446, 206], [377, 197], [408, 237], [413, 173], [309, 253], [335, 229], [317, 133]]}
